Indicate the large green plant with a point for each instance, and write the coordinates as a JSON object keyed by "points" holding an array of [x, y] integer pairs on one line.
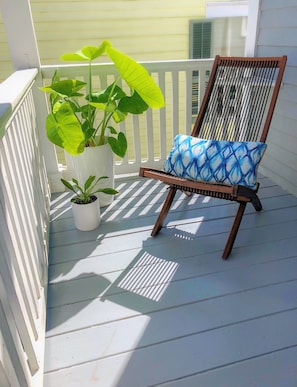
{"points": [[73, 122]]}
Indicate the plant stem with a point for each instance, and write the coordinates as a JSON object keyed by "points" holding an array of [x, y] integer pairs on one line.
{"points": [[107, 115], [90, 81], [89, 91]]}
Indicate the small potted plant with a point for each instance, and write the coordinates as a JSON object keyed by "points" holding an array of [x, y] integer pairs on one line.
{"points": [[83, 116], [85, 203]]}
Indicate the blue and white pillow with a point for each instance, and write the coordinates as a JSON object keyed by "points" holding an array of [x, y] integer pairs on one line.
{"points": [[211, 161]]}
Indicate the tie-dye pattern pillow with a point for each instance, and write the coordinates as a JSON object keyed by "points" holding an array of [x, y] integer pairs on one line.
{"points": [[212, 161]]}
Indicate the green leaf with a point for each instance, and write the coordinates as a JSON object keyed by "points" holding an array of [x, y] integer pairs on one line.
{"points": [[57, 106], [86, 111], [89, 182], [93, 52], [119, 144], [112, 130], [68, 185], [99, 97], [64, 129], [101, 178], [54, 98], [134, 104], [65, 88], [119, 116], [76, 183], [108, 191], [88, 131], [117, 92], [110, 107], [137, 77], [86, 54], [104, 95], [100, 106]]}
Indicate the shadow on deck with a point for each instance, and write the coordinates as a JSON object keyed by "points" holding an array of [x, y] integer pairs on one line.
{"points": [[126, 309]]}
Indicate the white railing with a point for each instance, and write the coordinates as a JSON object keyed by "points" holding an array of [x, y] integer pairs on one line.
{"points": [[25, 196], [150, 135], [24, 217]]}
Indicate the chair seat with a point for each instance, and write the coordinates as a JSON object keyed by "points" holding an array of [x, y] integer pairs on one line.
{"points": [[221, 191]]}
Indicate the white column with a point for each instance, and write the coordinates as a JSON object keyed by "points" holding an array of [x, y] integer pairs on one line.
{"points": [[20, 33], [252, 27], [21, 38]]}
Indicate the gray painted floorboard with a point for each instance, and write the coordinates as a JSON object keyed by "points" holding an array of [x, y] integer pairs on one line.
{"points": [[129, 310]]}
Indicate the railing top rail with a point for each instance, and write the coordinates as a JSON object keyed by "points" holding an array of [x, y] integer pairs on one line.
{"points": [[12, 91], [109, 68]]}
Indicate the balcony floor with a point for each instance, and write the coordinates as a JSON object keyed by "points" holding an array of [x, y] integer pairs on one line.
{"points": [[129, 310]]}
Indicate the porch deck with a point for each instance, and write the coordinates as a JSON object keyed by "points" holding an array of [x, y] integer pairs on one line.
{"points": [[129, 310]]}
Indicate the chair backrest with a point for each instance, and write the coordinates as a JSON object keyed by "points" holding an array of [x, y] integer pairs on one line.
{"points": [[240, 98]]}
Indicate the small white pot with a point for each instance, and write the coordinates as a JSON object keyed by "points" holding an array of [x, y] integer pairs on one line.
{"points": [[97, 161], [86, 216]]}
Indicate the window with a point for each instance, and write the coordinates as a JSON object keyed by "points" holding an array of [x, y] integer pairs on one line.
{"points": [[200, 39], [200, 48]]}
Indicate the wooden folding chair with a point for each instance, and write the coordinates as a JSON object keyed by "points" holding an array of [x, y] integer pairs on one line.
{"points": [[237, 107]]}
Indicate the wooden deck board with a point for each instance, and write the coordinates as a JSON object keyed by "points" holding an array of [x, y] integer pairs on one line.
{"points": [[197, 317], [126, 309]]}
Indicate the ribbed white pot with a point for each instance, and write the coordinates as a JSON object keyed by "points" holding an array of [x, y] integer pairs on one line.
{"points": [[86, 216], [97, 161]]}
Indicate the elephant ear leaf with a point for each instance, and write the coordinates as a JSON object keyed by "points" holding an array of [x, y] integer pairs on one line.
{"points": [[63, 129], [134, 104], [136, 77], [86, 54], [119, 144]]}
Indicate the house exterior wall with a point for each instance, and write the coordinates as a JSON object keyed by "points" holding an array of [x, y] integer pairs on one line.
{"points": [[146, 30], [277, 31], [5, 62], [154, 30]]}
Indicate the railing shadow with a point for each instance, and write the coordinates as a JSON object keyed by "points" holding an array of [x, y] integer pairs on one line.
{"points": [[85, 287]]}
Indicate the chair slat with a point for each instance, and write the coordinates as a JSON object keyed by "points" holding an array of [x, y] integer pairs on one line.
{"points": [[240, 99]]}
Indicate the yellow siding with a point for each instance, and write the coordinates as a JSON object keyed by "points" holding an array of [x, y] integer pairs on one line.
{"points": [[5, 61], [146, 30]]}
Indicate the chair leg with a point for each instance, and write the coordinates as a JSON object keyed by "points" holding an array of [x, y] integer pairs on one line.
{"points": [[234, 230], [164, 211], [256, 203]]}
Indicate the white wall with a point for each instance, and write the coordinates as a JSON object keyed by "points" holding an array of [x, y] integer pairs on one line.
{"points": [[276, 36]]}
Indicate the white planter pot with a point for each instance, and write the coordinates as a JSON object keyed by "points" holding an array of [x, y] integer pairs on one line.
{"points": [[86, 216], [97, 161]]}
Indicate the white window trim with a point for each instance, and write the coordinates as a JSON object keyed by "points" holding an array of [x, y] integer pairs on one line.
{"points": [[226, 9]]}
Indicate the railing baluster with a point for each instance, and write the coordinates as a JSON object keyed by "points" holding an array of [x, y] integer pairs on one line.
{"points": [[175, 103], [24, 218], [136, 139], [189, 94], [150, 135], [162, 118]]}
